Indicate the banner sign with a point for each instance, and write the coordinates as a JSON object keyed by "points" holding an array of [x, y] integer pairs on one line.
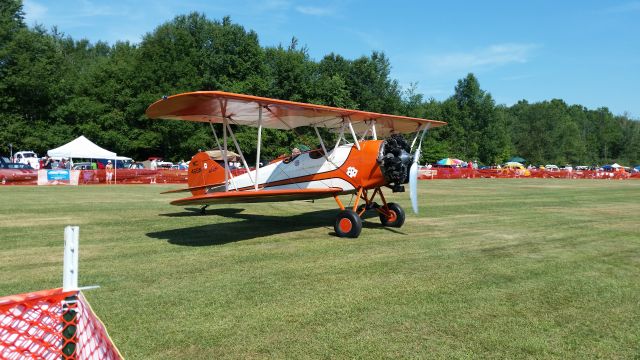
{"points": [[58, 177]]}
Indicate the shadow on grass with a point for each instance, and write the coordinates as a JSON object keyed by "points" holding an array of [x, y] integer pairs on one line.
{"points": [[252, 226]]}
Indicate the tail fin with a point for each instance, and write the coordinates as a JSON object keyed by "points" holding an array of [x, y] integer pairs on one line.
{"points": [[204, 171]]}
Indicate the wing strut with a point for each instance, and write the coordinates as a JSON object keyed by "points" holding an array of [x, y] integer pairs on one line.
{"points": [[244, 161], [340, 137], [259, 145], [227, 171], [424, 128], [373, 130], [224, 153], [215, 135], [324, 149], [353, 133]]}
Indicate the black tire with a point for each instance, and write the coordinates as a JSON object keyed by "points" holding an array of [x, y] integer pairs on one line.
{"points": [[348, 224], [395, 221]]}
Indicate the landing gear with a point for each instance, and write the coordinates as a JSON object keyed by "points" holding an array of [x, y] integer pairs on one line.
{"points": [[394, 216], [349, 222], [203, 209]]}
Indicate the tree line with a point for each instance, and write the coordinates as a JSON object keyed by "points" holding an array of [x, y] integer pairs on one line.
{"points": [[54, 88]]}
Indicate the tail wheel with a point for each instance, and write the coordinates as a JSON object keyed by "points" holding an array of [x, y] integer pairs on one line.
{"points": [[394, 216], [348, 224]]}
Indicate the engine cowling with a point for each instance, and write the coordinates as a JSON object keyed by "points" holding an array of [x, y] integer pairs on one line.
{"points": [[395, 161]]}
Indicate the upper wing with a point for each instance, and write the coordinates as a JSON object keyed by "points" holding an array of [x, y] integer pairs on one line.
{"points": [[250, 196], [213, 106]]}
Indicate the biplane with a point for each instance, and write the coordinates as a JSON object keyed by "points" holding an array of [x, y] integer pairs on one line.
{"points": [[362, 165]]}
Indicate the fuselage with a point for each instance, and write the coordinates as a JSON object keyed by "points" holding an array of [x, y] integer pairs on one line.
{"points": [[345, 167]]}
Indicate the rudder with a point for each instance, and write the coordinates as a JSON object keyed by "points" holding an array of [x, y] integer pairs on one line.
{"points": [[203, 171]]}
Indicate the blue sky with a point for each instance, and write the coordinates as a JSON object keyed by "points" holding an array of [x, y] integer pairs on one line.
{"points": [[585, 52]]}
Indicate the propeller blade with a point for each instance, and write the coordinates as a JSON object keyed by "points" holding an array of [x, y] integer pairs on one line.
{"points": [[413, 186]]}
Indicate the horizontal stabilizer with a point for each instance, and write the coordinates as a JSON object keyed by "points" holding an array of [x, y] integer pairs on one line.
{"points": [[187, 189]]}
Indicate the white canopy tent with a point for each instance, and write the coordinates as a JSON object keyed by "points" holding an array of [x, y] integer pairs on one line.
{"points": [[84, 148]]}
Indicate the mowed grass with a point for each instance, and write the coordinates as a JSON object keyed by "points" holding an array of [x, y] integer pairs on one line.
{"points": [[490, 268]]}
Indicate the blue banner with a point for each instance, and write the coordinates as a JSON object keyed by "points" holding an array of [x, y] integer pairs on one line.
{"points": [[58, 175]]}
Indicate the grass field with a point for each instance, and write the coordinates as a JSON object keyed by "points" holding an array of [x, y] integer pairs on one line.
{"points": [[490, 268]]}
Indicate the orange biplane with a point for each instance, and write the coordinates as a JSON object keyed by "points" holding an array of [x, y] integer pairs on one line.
{"points": [[362, 166]]}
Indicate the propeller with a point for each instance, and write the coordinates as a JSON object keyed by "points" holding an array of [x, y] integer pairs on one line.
{"points": [[413, 181], [413, 172]]}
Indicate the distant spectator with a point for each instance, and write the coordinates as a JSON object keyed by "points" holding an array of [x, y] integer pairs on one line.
{"points": [[46, 163], [153, 166], [109, 171]]}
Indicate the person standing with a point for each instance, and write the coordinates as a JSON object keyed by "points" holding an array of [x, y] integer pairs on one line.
{"points": [[154, 167], [109, 171], [46, 164]]}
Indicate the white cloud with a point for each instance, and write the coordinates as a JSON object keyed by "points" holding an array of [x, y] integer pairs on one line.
{"points": [[313, 10], [33, 11], [485, 58]]}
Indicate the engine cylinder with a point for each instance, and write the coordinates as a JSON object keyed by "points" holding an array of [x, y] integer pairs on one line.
{"points": [[395, 160]]}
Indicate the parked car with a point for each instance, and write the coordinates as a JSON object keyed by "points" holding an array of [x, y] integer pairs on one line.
{"points": [[16, 172], [18, 166], [136, 165], [551, 168], [27, 157], [82, 166], [164, 164]]}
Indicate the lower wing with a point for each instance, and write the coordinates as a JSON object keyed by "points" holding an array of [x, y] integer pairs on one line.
{"points": [[251, 196]]}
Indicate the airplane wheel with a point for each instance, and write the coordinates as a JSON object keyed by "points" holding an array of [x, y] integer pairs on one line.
{"points": [[348, 224], [395, 218]]}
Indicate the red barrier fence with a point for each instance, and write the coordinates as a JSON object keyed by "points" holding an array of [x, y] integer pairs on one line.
{"points": [[52, 325], [465, 173], [92, 177], [164, 176]]}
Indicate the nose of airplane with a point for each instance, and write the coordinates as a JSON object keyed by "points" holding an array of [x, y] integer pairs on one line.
{"points": [[395, 161]]}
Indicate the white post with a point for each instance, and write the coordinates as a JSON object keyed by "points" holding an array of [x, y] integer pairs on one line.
{"points": [[71, 248], [259, 146]]}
